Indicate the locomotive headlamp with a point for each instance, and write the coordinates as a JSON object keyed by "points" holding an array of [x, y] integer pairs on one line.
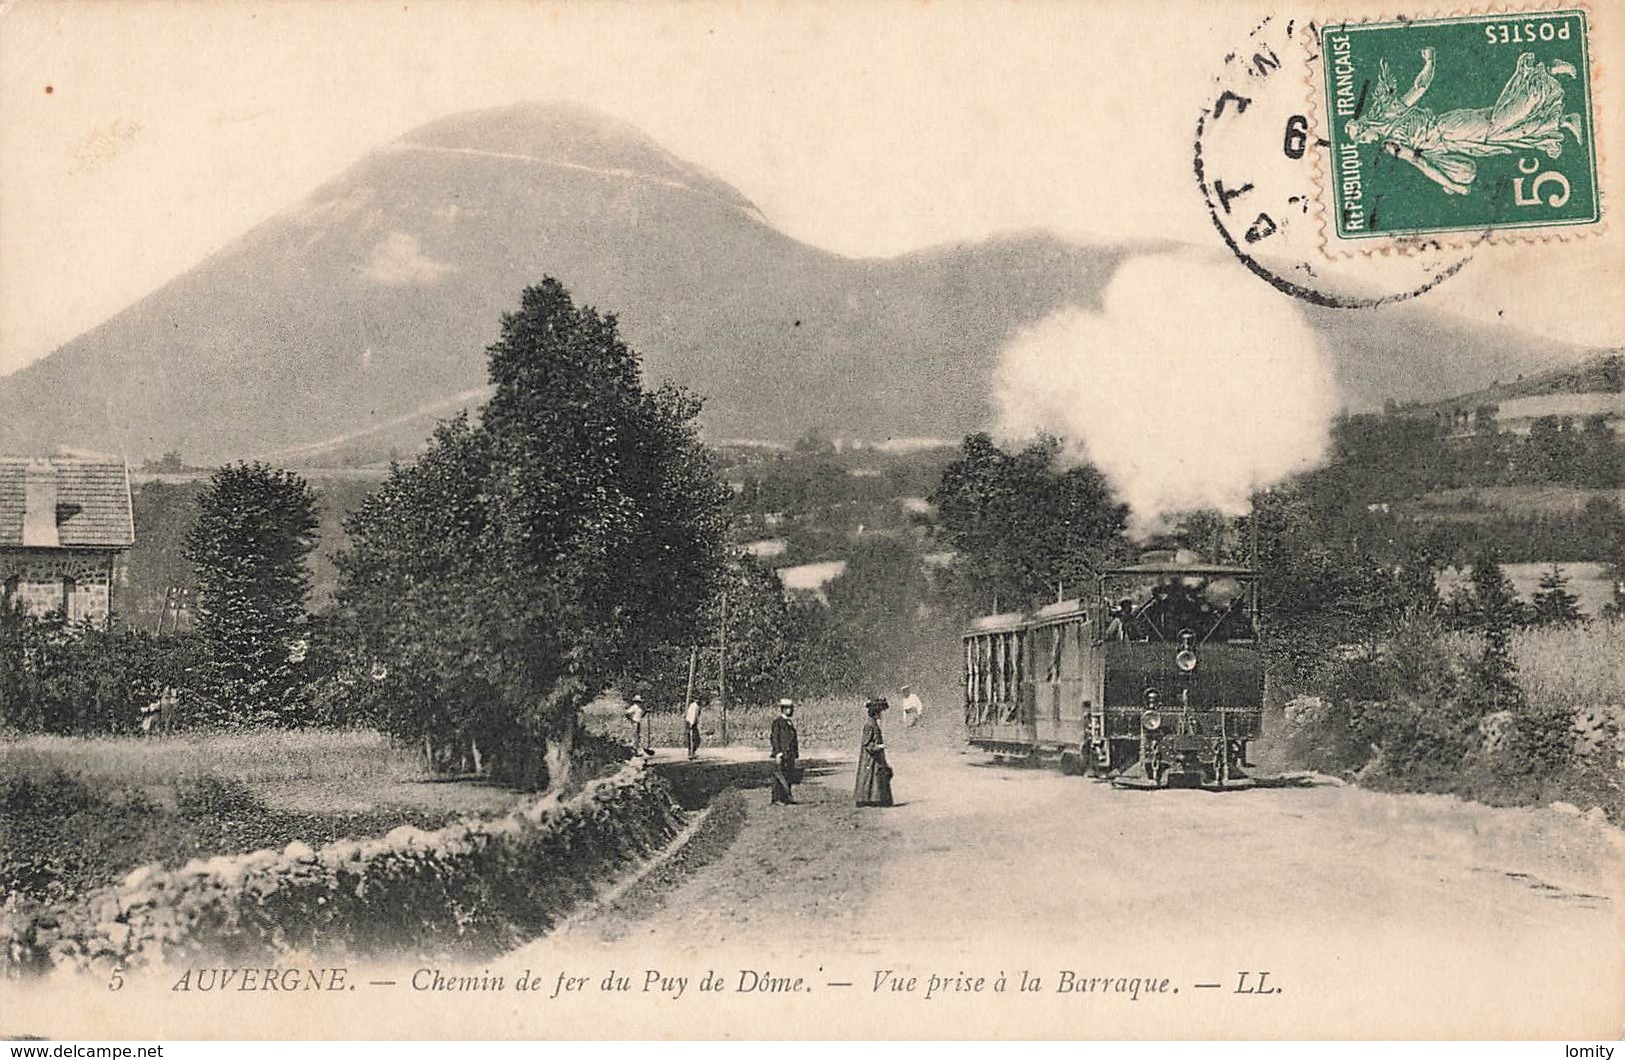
{"points": [[1151, 720], [1185, 660]]}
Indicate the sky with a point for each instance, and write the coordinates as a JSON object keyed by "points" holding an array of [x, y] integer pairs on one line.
{"points": [[139, 136]]}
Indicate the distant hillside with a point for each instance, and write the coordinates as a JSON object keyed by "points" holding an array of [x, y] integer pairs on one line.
{"points": [[1602, 374], [341, 329]]}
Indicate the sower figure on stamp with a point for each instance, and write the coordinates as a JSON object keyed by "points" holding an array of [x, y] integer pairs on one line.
{"points": [[785, 746], [1527, 116], [874, 772]]}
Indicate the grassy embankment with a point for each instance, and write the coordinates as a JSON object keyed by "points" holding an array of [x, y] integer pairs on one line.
{"points": [[1574, 671]]}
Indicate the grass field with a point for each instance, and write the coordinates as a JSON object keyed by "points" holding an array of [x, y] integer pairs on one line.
{"points": [[1577, 668], [1573, 668], [79, 813], [333, 771]]}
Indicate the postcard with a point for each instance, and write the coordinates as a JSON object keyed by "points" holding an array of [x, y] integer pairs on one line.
{"points": [[587, 520]]}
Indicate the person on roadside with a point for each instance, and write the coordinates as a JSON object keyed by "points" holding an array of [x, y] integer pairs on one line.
{"points": [[874, 771], [691, 724], [913, 707], [785, 747], [641, 742]]}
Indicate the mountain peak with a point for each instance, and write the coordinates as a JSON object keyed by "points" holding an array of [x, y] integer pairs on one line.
{"points": [[349, 321], [570, 134]]}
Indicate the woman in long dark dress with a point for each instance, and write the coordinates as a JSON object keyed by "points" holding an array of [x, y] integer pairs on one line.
{"points": [[874, 772]]}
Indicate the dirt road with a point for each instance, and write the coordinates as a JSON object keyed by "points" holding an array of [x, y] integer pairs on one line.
{"points": [[1374, 915]]}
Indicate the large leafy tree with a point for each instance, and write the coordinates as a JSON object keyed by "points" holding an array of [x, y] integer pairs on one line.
{"points": [[1021, 525], [255, 526], [888, 627], [1326, 587], [417, 582], [526, 563]]}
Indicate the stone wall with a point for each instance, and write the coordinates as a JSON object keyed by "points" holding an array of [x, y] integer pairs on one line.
{"points": [[471, 889], [40, 576]]}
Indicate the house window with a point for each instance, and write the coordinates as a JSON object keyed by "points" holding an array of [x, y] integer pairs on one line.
{"points": [[69, 587], [9, 593]]}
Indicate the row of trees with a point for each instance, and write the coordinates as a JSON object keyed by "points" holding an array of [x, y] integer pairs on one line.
{"points": [[524, 564], [568, 540], [1397, 456]]}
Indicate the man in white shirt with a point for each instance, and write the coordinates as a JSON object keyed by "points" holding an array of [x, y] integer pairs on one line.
{"points": [[913, 708], [691, 721]]}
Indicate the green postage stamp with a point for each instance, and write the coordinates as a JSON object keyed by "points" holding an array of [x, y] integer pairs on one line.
{"points": [[1466, 125]]}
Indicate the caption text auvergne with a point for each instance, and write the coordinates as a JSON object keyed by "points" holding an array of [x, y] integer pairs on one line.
{"points": [[551, 985]]}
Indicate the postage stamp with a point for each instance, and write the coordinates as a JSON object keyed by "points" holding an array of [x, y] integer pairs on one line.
{"points": [[1469, 125]]}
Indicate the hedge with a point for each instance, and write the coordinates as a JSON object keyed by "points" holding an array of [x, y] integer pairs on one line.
{"points": [[477, 886]]}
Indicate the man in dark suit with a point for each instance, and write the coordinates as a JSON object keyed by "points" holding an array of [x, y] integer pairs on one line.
{"points": [[786, 748]]}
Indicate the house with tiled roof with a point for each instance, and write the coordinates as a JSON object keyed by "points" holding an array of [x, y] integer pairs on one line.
{"points": [[64, 526]]}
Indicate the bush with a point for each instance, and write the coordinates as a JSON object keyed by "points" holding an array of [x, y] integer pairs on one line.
{"points": [[58, 830], [66, 679], [1420, 713], [1312, 732]]}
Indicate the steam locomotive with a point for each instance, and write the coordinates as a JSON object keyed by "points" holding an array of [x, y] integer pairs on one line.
{"points": [[1158, 681]]}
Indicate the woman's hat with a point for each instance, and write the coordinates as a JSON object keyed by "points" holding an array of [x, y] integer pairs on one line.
{"points": [[786, 703], [877, 704]]}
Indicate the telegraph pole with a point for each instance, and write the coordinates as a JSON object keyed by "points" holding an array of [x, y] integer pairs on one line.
{"points": [[693, 661], [722, 665]]}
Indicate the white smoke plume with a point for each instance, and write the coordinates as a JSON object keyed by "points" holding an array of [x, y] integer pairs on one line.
{"points": [[1193, 386]]}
